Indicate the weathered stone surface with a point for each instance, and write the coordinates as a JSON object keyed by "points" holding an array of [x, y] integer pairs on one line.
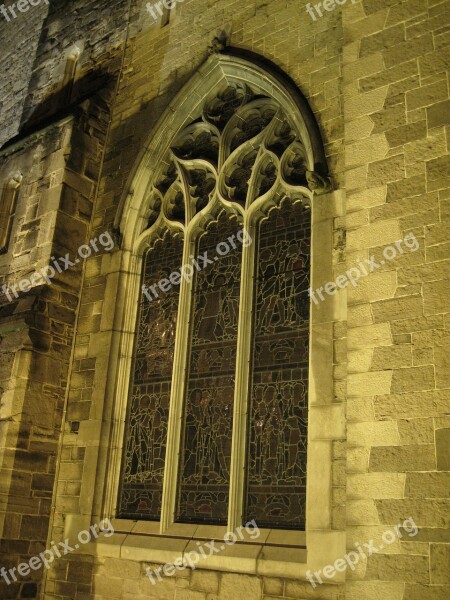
{"points": [[425, 512], [436, 297], [416, 431], [390, 357], [249, 587], [426, 96], [374, 590], [394, 568], [439, 114], [412, 405], [439, 563], [419, 592], [443, 449], [412, 379], [427, 485], [399, 459], [392, 309], [205, 581], [375, 485], [385, 171]]}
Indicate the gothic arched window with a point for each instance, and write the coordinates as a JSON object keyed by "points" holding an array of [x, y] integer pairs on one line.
{"points": [[216, 426]]}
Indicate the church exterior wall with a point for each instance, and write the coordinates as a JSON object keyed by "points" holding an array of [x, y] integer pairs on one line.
{"points": [[374, 75]]}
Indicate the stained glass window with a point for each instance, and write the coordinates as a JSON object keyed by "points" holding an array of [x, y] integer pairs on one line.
{"points": [[206, 447], [145, 445], [278, 411], [241, 347]]}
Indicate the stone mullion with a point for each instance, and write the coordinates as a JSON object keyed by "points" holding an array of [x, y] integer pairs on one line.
{"points": [[177, 396], [240, 411]]}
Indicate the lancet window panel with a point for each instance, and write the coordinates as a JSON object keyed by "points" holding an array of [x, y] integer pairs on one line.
{"points": [[146, 433], [208, 420], [278, 410]]}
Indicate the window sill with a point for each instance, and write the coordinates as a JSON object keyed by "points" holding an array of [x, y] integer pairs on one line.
{"points": [[274, 553], [240, 557]]}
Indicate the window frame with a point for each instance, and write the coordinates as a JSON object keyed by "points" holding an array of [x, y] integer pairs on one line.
{"points": [[273, 553], [8, 206]]}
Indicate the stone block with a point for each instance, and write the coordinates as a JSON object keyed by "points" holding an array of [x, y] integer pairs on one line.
{"points": [[393, 308], [436, 298], [369, 336], [387, 76], [369, 384], [273, 586], [412, 405], [422, 150], [443, 449], [303, 590], [205, 581], [411, 49], [430, 592], [413, 379], [417, 324], [233, 586], [406, 133], [382, 40], [439, 114], [399, 459], [424, 511], [391, 357], [365, 104], [385, 171], [427, 95], [440, 564], [372, 148], [375, 485], [374, 590], [406, 188], [359, 361], [398, 568], [362, 512], [378, 433], [427, 485], [416, 431], [360, 409]]}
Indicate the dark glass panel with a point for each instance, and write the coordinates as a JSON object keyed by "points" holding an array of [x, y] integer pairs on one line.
{"points": [[148, 411], [206, 442], [277, 435]]}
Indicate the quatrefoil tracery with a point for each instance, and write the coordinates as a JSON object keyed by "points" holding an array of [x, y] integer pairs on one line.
{"points": [[241, 148]]}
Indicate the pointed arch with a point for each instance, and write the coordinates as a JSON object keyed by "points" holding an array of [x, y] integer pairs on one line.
{"points": [[252, 77], [239, 139]]}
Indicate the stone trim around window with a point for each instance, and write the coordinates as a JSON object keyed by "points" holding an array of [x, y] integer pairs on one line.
{"points": [[8, 202], [103, 435]]}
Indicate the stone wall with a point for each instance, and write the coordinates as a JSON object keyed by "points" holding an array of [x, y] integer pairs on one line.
{"points": [[396, 112], [52, 220]]}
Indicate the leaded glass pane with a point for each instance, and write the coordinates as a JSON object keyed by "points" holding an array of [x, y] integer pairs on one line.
{"points": [[277, 436], [146, 425], [206, 444]]}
